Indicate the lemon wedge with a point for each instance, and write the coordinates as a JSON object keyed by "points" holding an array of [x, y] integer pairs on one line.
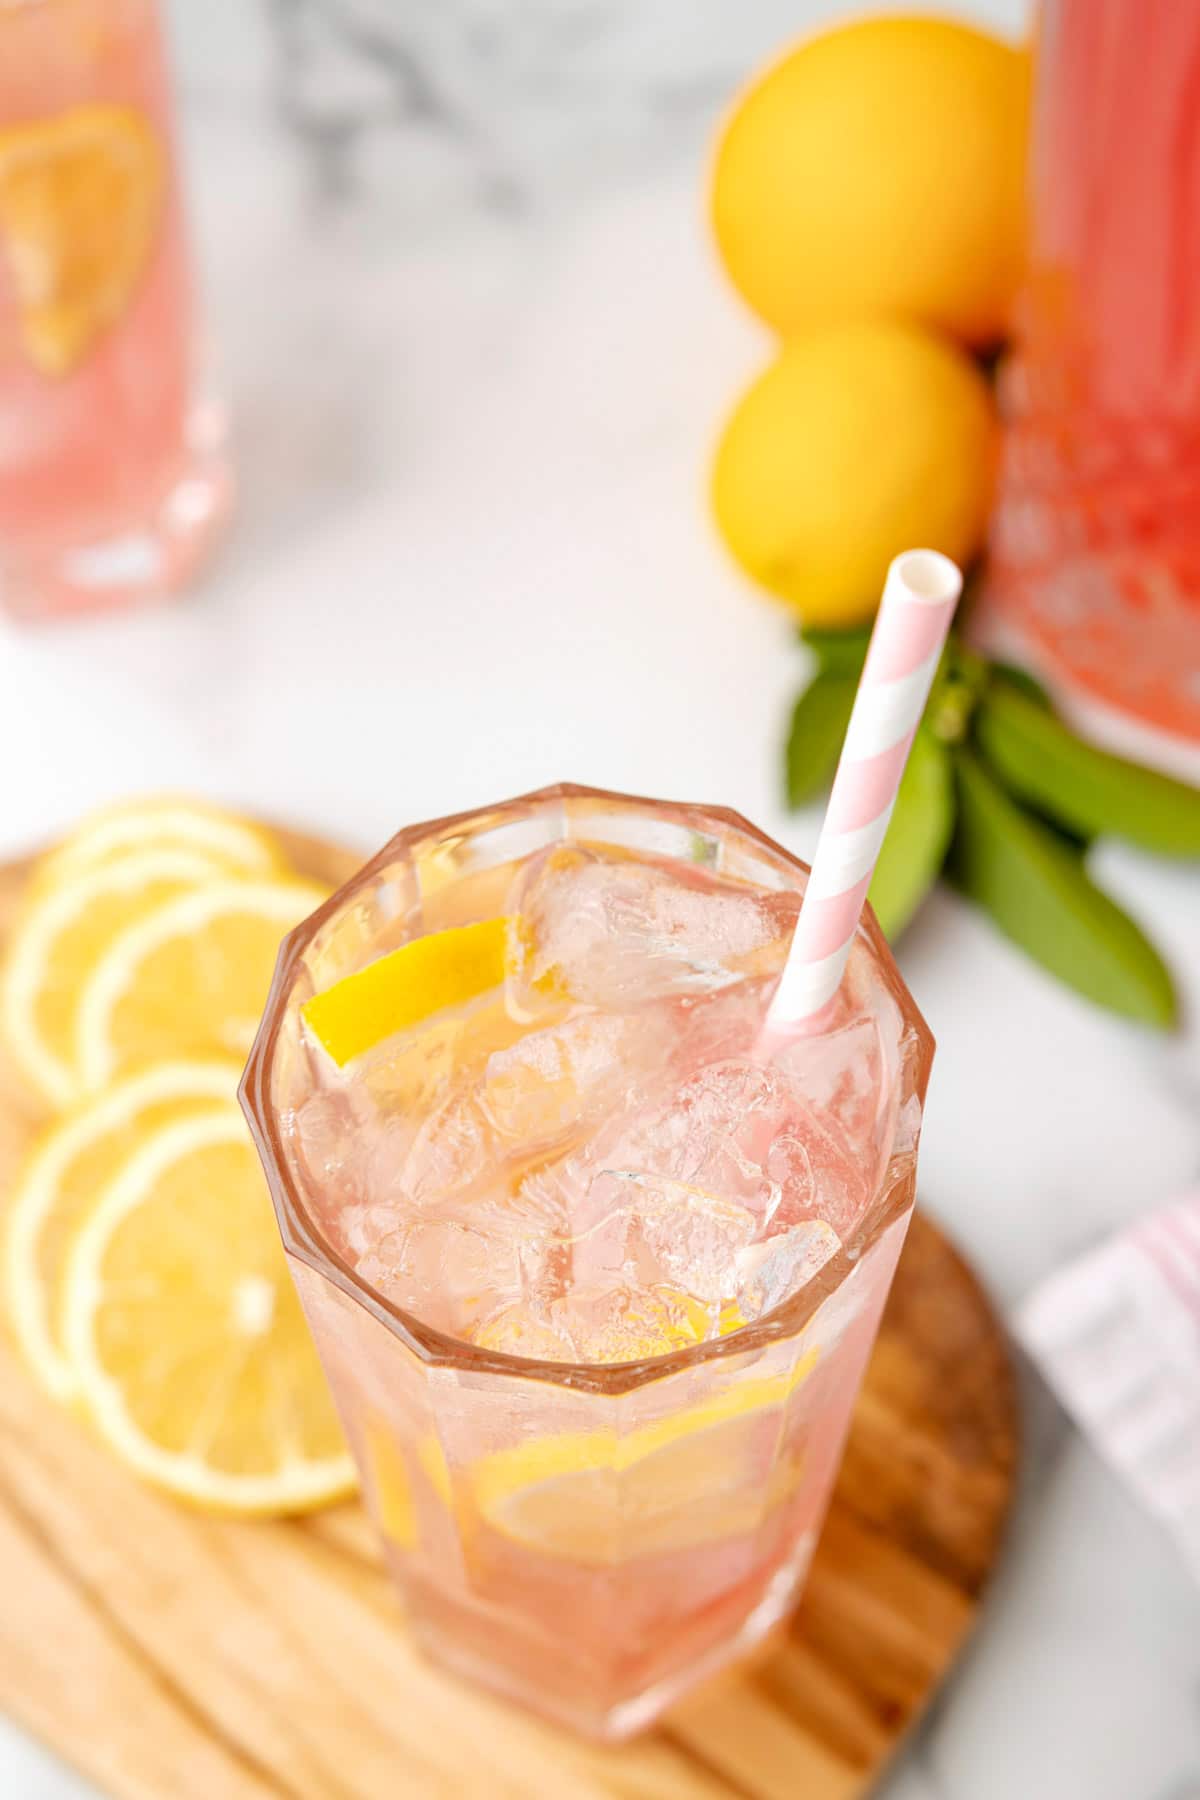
{"points": [[423, 977]]}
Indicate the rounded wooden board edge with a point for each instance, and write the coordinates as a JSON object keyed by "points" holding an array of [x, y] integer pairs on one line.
{"points": [[912, 1537]]}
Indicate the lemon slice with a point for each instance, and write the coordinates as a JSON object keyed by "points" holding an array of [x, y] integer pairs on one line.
{"points": [[191, 976], [59, 938], [445, 968], [709, 1472], [164, 822], [66, 1169], [80, 198], [191, 1351], [393, 1486]]}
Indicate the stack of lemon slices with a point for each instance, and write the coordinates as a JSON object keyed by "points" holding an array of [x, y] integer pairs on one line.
{"points": [[143, 1275]]}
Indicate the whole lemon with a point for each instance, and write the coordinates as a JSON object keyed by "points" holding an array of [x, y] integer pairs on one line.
{"points": [[859, 441], [880, 168]]}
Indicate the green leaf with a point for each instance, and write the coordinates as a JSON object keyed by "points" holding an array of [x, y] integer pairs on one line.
{"points": [[1040, 895], [1015, 676], [837, 652], [918, 836], [1024, 682], [1083, 788], [814, 744]]}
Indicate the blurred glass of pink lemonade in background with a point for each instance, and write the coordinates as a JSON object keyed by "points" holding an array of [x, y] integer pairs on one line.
{"points": [[593, 1276], [1095, 554], [112, 466]]}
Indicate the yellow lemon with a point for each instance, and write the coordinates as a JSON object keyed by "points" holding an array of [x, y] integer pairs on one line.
{"points": [[390, 1477], [80, 198], [672, 1484], [858, 441], [187, 1339], [879, 168], [423, 977]]}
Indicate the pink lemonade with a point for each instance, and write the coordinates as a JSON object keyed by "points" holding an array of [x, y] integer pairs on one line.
{"points": [[1095, 556], [594, 1278], [112, 474]]}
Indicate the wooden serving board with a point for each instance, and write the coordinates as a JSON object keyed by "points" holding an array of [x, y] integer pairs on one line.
{"points": [[171, 1656]]}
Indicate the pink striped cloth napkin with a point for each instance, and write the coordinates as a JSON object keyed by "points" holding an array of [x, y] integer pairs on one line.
{"points": [[1117, 1334]]}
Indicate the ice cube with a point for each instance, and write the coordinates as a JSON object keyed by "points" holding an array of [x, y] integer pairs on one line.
{"points": [[714, 1132], [454, 1147], [721, 1026], [661, 1232], [770, 1271], [840, 1074], [358, 1230], [443, 1270], [414, 1071], [522, 1330], [567, 1075], [613, 933], [533, 1097], [735, 1132], [454, 1268], [625, 1323], [821, 1173], [323, 1133]]}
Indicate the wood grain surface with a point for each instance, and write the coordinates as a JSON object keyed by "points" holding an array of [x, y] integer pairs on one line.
{"points": [[172, 1656]]}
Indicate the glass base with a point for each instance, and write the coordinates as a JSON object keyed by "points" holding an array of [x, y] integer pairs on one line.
{"points": [[133, 560], [612, 1719]]}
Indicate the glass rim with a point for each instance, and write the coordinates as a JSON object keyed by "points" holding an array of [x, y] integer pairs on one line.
{"points": [[438, 1349]]}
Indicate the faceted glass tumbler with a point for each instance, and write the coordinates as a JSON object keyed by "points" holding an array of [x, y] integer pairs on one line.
{"points": [[588, 1539]]}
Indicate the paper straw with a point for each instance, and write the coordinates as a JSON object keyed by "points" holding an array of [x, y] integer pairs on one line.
{"points": [[919, 598]]}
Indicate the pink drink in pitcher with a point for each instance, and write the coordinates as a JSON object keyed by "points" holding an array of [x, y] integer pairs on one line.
{"points": [[1095, 552], [594, 1276], [112, 472]]}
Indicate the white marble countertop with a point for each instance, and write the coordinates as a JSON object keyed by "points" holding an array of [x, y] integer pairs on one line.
{"points": [[475, 393]]}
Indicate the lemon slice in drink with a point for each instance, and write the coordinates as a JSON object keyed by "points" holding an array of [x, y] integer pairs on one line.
{"points": [[59, 938], [390, 1474], [423, 977], [80, 198], [188, 1342], [67, 1168], [709, 1472], [231, 844], [190, 976]]}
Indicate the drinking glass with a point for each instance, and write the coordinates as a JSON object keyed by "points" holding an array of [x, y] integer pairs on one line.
{"points": [[591, 1539], [113, 477]]}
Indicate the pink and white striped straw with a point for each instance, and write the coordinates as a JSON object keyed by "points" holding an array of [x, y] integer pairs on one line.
{"points": [[919, 598]]}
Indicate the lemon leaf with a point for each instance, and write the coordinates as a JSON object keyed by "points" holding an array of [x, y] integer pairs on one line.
{"points": [[1080, 786], [1038, 892], [918, 836], [837, 652], [818, 729]]}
